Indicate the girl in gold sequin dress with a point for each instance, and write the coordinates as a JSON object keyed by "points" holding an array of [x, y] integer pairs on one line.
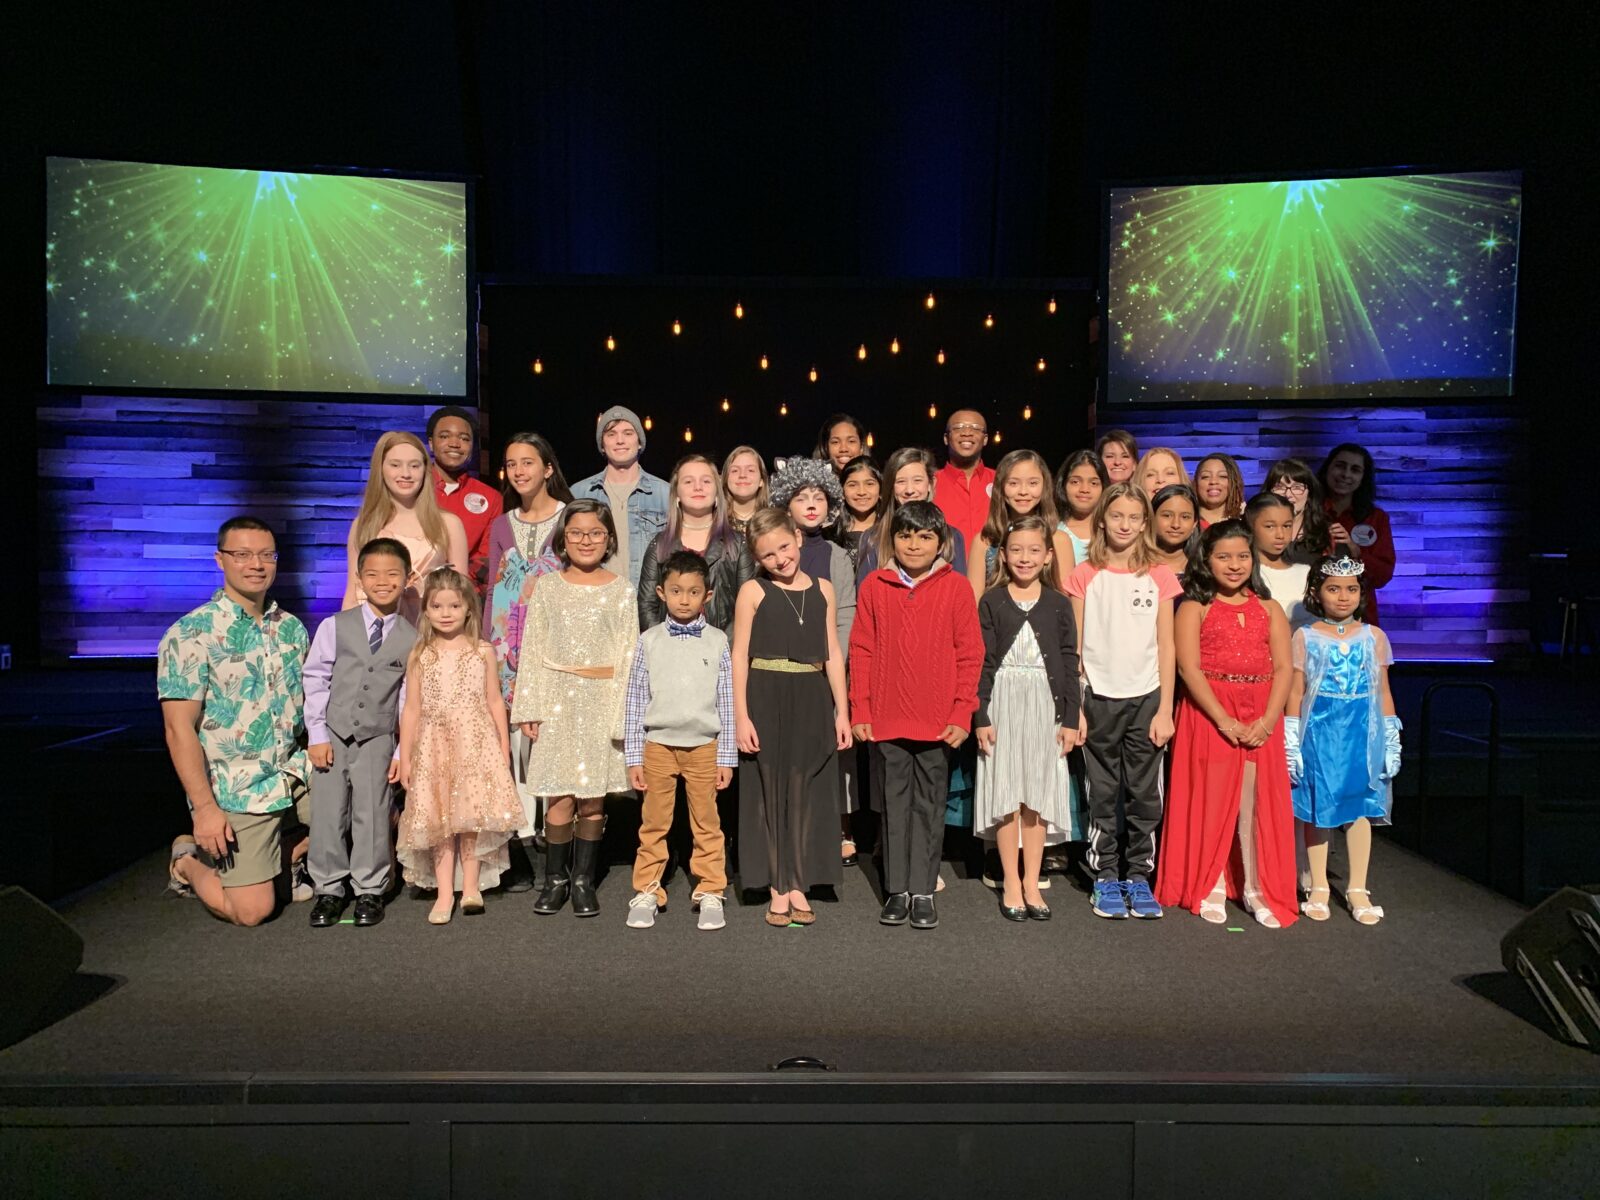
{"points": [[455, 754], [578, 640]]}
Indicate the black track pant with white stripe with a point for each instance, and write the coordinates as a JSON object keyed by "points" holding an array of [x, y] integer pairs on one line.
{"points": [[1120, 761]]}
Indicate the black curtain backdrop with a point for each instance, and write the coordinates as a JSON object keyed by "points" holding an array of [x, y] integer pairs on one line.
{"points": [[824, 139]]}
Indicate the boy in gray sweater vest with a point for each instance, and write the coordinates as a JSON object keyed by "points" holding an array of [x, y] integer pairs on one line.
{"points": [[355, 680], [678, 722]]}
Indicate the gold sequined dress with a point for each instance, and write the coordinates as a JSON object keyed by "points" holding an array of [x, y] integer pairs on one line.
{"points": [[460, 779], [571, 627]]}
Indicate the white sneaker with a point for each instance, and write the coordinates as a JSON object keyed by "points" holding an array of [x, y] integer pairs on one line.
{"points": [[300, 888], [710, 913], [642, 911]]}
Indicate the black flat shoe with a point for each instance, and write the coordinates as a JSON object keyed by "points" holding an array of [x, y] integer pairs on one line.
{"points": [[923, 913], [1038, 912], [369, 910], [896, 909], [327, 911], [1019, 913]]}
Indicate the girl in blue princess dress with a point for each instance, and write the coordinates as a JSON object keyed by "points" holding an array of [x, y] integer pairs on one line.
{"points": [[1341, 735]]}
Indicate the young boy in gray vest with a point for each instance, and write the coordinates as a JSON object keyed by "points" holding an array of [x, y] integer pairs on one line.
{"points": [[355, 680], [678, 723]]}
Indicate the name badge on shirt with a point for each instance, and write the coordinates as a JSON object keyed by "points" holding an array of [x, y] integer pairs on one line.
{"points": [[475, 503], [1363, 535]]}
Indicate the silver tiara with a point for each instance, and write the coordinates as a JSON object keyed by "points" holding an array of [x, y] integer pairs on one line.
{"points": [[1343, 567]]}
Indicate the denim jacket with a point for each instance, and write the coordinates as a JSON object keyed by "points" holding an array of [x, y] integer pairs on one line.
{"points": [[647, 512]]}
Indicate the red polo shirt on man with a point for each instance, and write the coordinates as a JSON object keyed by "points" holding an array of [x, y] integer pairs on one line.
{"points": [[964, 502], [477, 504]]}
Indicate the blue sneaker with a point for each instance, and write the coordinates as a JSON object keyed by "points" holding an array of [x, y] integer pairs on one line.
{"points": [[1141, 902], [1108, 900]]}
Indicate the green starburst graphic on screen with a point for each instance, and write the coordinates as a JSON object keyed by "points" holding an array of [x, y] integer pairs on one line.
{"points": [[164, 276], [1379, 285]]}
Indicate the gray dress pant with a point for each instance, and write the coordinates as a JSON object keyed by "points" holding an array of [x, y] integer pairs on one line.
{"points": [[350, 828]]}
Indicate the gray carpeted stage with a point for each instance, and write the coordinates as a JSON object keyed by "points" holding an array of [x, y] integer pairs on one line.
{"points": [[1419, 997]]}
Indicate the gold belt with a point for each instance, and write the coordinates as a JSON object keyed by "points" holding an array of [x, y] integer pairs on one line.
{"points": [[785, 664], [1222, 678], [583, 672]]}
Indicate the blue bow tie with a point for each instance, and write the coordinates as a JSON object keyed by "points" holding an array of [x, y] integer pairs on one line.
{"points": [[691, 630]]}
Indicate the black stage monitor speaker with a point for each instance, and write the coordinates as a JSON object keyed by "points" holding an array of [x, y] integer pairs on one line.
{"points": [[1556, 950], [39, 952]]}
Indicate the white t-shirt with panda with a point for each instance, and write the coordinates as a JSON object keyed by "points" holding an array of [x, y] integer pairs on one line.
{"points": [[1120, 608]]}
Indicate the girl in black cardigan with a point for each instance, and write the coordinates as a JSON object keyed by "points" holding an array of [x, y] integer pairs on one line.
{"points": [[1028, 715]]}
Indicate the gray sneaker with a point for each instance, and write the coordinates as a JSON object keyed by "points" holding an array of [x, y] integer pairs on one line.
{"points": [[642, 911], [300, 888], [710, 913]]}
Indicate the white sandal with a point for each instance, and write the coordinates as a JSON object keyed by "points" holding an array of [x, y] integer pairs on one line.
{"points": [[1263, 915], [1361, 911], [1317, 910], [1211, 908]]}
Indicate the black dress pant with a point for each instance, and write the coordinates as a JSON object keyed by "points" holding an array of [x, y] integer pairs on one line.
{"points": [[1121, 762], [916, 776]]}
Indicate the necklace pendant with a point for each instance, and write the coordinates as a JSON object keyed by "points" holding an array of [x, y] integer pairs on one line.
{"points": [[802, 620]]}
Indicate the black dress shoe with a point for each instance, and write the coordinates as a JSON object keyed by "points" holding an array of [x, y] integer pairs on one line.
{"points": [[896, 909], [1038, 912], [369, 910], [327, 911], [923, 913]]}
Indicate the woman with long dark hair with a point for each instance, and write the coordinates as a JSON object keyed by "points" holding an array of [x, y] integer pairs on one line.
{"points": [[1356, 525]]}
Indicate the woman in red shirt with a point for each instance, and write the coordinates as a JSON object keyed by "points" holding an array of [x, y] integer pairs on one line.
{"points": [[1356, 525]]}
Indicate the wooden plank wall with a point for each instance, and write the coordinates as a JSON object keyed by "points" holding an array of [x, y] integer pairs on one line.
{"points": [[132, 489], [1453, 480]]}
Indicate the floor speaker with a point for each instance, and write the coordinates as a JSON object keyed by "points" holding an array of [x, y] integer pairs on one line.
{"points": [[1555, 949], [39, 953]]}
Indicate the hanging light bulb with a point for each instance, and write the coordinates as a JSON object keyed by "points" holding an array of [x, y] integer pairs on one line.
{"points": [[1041, 364], [688, 434], [738, 312], [813, 375], [677, 328], [929, 301], [725, 404], [861, 352], [611, 342], [1051, 307], [939, 358], [995, 437], [1027, 412], [648, 424], [988, 321], [763, 362], [894, 346], [869, 440], [783, 410], [933, 411], [536, 366]]}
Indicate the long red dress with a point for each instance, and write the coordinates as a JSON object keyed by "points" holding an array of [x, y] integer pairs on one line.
{"points": [[1198, 837]]}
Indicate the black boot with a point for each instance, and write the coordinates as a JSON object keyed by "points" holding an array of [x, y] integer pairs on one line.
{"points": [[557, 880], [584, 861], [519, 875]]}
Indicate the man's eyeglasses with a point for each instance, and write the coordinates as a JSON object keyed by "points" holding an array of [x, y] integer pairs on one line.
{"points": [[243, 556], [967, 427]]}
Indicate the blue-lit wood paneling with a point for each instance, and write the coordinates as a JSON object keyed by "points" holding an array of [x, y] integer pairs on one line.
{"points": [[132, 489], [1453, 480]]}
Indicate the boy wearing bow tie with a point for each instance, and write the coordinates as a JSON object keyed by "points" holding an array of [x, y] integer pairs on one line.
{"points": [[678, 723]]}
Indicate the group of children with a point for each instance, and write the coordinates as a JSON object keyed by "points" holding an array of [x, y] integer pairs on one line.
{"points": [[1113, 660]]}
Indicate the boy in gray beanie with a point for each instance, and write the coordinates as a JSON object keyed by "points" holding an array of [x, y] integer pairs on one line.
{"points": [[637, 499]]}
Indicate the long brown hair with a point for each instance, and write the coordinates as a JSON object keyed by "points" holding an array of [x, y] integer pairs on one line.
{"points": [[1034, 523], [672, 535], [1142, 555], [1000, 513], [887, 504], [761, 499], [447, 579], [378, 506], [555, 487]]}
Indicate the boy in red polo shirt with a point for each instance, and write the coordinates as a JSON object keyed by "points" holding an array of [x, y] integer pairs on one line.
{"points": [[915, 655], [452, 438]]}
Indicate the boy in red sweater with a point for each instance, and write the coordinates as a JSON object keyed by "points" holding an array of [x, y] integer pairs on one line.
{"points": [[915, 655]]}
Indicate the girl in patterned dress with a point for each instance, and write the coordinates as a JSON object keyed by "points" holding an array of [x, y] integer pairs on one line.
{"points": [[455, 751]]}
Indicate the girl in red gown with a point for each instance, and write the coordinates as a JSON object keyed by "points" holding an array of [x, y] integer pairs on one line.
{"points": [[1230, 822]]}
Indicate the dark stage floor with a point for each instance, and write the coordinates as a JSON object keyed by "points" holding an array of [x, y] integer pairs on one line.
{"points": [[1419, 997]]}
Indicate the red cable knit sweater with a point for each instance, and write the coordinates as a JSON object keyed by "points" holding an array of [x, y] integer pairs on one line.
{"points": [[915, 655]]}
